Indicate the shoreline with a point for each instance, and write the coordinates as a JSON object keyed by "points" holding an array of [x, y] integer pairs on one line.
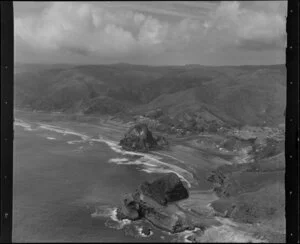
{"points": [[181, 150]]}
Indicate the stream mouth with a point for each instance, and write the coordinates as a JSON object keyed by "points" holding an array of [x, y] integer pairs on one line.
{"points": [[112, 171]]}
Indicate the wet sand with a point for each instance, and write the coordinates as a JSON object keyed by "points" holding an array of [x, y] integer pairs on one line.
{"points": [[189, 162]]}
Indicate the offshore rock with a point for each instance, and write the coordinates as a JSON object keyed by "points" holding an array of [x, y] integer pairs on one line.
{"points": [[166, 189], [140, 138], [156, 202], [129, 209]]}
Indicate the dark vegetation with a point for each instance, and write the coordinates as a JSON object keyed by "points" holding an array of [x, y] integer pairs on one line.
{"points": [[253, 193], [180, 100], [253, 95]]}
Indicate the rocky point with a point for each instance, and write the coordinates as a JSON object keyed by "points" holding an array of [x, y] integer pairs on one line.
{"points": [[157, 202], [140, 138]]}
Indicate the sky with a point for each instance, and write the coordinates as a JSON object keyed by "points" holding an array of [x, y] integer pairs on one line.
{"points": [[151, 33]]}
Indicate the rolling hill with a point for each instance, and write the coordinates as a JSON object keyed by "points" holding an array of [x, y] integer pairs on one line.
{"points": [[252, 95]]}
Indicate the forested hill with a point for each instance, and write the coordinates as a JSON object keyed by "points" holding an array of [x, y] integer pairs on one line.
{"points": [[253, 95]]}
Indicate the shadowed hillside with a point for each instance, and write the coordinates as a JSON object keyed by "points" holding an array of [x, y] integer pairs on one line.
{"points": [[253, 95]]}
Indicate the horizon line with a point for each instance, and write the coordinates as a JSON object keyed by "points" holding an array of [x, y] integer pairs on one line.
{"points": [[148, 65]]}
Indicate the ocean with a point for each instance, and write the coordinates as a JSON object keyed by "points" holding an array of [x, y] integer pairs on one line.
{"points": [[67, 186], [69, 179]]}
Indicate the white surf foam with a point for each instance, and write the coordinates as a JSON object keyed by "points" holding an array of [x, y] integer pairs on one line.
{"points": [[169, 156], [118, 160], [51, 138], [143, 161], [113, 145], [150, 160], [140, 231], [63, 131], [26, 126], [117, 224], [183, 236], [110, 213], [113, 216], [126, 161], [75, 142]]}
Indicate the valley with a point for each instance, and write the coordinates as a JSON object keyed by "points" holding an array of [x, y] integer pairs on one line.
{"points": [[224, 125]]}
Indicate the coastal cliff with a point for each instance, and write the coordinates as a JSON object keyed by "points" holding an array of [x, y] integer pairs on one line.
{"points": [[157, 202]]}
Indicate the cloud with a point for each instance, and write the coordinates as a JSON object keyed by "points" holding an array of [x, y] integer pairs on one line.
{"points": [[183, 9], [75, 26], [84, 29], [152, 32], [256, 26], [111, 31]]}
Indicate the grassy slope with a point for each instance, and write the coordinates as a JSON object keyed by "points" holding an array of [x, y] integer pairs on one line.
{"points": [[246, 94], [254, 193]]}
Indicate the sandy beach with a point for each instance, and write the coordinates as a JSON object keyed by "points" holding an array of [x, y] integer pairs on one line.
{"points": [[187, 158]]}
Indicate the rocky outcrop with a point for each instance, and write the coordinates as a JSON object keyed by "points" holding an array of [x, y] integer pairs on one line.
{"points": [[156, 202], [165, 190], [130, 208], [140, 138], [223, 185]]}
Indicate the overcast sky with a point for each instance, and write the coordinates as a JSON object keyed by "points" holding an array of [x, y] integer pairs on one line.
{"points": [[152, 33]]}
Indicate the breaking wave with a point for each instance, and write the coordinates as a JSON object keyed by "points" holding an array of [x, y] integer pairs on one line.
{"points": [[26, 126], [50, 138], [113, 221], [75, 142], [183, 236], [153, 163], [140, 232], [125, 161], [63, 131]]}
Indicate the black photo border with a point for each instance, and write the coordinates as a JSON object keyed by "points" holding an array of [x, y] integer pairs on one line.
{"points": [[6, 166], [291, 122]]}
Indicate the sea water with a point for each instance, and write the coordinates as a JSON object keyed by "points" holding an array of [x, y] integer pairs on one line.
{"points": [[68, 185]]}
